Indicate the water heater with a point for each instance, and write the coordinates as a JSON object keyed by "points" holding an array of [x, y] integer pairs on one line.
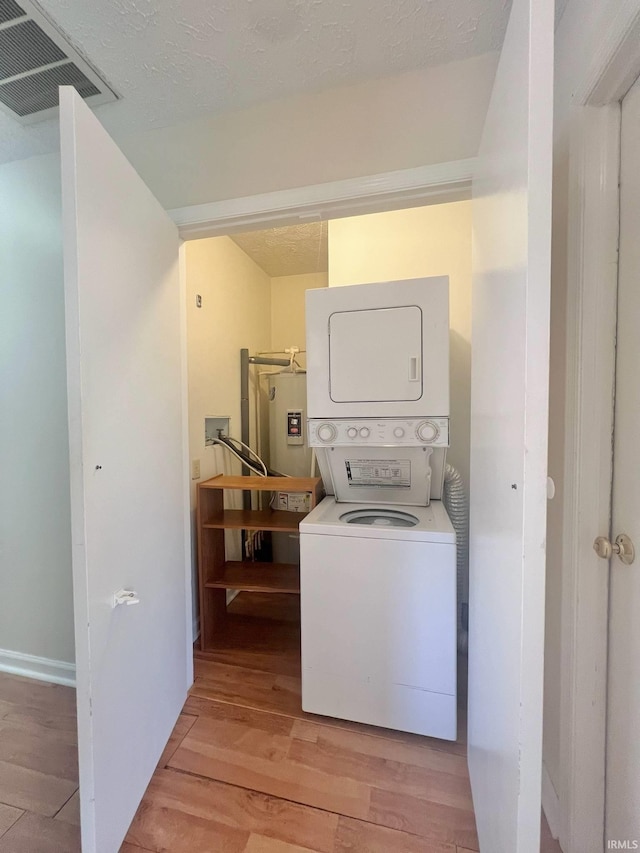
{"points": [[289, 452]]}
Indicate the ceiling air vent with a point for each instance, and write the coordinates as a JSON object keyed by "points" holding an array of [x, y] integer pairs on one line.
{"points": [[35, 59]]}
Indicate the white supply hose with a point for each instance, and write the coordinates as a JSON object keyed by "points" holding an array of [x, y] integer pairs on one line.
{"points": [[455, 500], [251, 453]]}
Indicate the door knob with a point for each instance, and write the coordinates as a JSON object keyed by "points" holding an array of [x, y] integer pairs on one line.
{"points": [[622, 548]]}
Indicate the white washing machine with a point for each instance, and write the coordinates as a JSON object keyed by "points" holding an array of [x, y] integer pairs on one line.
{"points": [[378, 598]]}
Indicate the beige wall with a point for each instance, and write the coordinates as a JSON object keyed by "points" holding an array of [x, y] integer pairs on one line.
{"points": [[413, 119], [287, 309], [412, 243], [235, 313], [36, 603]]}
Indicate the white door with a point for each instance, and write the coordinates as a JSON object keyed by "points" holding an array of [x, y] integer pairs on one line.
{"points": [[622, 807], [509, 410], [128, 480]]}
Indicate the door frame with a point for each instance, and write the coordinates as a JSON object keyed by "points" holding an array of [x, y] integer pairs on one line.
{"points": [[592, 278], [433, 184]]}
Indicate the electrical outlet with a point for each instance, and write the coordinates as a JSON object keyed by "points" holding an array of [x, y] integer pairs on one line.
{"points": [[195, 469]]}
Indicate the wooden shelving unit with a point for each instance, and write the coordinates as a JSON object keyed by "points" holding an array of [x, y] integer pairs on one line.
{"points": [[216, 573]]}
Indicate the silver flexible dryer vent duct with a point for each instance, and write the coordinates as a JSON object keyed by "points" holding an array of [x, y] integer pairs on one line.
{"points": [[455, 500]]}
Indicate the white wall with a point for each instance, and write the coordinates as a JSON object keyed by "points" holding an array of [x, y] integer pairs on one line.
{"points": [[36, 607], [235, 313], [287, 310], [423, 241], [412, 119]]}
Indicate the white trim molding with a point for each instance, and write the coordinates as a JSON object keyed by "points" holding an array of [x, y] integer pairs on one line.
{"points": [[616, 64], [391, 190], [591, 328], [42, 669]]}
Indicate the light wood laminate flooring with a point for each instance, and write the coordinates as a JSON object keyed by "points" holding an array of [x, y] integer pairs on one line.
{"points": [[38, 767], [245, 770]]}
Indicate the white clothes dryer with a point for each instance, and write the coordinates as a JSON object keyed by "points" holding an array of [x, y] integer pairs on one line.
{"points": [[378, 598]]}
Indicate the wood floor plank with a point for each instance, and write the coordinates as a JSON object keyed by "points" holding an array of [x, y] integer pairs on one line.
{"points": [[252, 688], [37, 747], [132, 848], [420, 753], [174, 796], [263, 844], [324, 767], [223, 713], [70, 812], [354, 836], [33, 791], [178, 832], [8, 816], [382, 773], [185, 721], [64, 723], [241, 754], [430, 820], [37, 834], [29, 693], [201, 701]]}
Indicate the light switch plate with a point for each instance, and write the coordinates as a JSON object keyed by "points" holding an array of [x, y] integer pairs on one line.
{"points": [[195, 469]]}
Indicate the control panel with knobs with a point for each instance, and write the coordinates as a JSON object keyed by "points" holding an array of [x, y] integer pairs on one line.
{"points": [[383, 432]]}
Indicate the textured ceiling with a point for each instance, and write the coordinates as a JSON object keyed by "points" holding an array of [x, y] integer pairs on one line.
{"points": [[294, 250], [171, 62]]}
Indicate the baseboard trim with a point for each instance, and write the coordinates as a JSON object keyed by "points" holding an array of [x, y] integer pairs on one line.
{"points": [[42, 669], [550, 802]]}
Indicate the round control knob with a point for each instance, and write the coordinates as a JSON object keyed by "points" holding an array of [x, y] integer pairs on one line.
{"points": [[398, 432], [364, 432], [427, 431], [327, 432], [352, 432]]}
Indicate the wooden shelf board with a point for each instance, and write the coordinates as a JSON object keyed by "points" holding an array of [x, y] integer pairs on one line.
{"points": [[263, 484], [258, 577], [254, 519]]}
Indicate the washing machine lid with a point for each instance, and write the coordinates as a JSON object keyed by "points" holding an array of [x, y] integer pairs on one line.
{"points": [[380, 521]]}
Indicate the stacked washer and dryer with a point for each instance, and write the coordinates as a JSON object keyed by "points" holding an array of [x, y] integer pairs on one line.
{"points": [[378, 554]]}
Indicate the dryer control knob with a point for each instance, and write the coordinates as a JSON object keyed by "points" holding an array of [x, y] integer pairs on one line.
{"points": [[352, 432], [427, 431], [364, 432], [398, 432], [327, 432]]}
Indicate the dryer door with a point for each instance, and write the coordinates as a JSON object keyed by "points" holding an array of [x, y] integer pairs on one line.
{"points": [[381, 350]]}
